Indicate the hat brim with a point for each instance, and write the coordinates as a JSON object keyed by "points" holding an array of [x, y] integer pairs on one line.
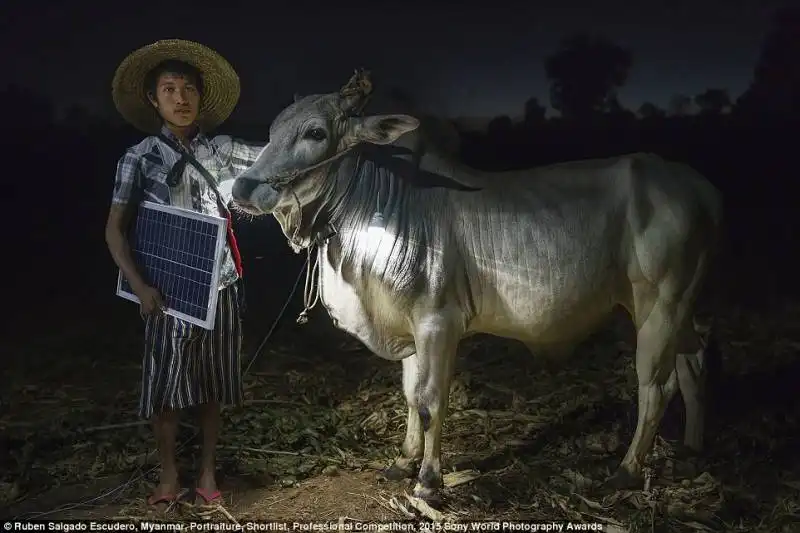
{"points": [[221, 87]]}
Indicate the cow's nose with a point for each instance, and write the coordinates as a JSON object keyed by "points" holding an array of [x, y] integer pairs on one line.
{"points": [[243, 187]]}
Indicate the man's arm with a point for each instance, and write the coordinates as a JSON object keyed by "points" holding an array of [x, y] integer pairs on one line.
{"points": [[244, 154], [126, 186], [241, 155]]}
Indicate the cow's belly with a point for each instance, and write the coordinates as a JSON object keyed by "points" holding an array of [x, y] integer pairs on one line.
{"points": [[377, 330], [538, 312]]}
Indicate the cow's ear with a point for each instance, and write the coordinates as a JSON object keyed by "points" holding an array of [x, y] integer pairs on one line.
{"points": [[382, 129]]}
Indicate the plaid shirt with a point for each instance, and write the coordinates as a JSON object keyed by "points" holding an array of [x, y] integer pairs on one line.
{"points": [[142, 173]]}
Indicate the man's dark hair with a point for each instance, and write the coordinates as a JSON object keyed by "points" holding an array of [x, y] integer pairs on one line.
{"points": [[173, 66]]}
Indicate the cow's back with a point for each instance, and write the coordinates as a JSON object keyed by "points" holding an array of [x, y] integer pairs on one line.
{"points": [[550, 252], [541, 256]]}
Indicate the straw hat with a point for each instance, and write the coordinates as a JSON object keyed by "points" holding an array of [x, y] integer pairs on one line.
{"points": [[220, 83]]}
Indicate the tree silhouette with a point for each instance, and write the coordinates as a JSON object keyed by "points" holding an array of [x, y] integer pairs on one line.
{"points": [[584, 74], [500, 126], [650, 110], [775, 89], [713, 101], [534, 111], [617, 112], [680, 105]]}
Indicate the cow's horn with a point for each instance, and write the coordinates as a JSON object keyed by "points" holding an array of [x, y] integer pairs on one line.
{"points": [[355, 92]]}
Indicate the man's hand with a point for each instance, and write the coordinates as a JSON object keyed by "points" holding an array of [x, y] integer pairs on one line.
{"points": [[118, 219], [151, 300]]}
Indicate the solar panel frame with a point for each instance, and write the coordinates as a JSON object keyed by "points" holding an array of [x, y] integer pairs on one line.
{"points": [[159, 277]]}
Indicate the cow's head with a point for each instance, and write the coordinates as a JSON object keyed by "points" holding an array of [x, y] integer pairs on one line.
{"points": [[305, 139]]}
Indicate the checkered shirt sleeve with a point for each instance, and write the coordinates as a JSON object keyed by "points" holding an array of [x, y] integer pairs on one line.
{"points": [[128, 181], [239, 156], [244, 154]]}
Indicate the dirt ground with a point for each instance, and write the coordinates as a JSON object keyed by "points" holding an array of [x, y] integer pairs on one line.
{"points": [[323, 416]]}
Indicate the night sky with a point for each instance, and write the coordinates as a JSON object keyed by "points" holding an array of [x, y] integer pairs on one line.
{"points": [[461, 61]]}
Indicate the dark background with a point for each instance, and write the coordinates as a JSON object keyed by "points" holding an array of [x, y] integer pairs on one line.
{"points": [[713, 85], [738, 127]]}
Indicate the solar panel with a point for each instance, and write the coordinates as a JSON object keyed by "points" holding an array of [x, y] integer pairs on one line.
{"points": [[179, 252]]}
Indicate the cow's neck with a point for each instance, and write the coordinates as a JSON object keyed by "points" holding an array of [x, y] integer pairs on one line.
{"points": [[361, 185], [381, 179], [370, 181]]}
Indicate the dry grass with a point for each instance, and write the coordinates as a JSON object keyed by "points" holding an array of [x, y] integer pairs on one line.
{"points": [[323, 416]]}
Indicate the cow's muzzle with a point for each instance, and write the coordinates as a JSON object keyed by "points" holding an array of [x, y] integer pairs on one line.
{"points": [[253, 195], [243, 188]]}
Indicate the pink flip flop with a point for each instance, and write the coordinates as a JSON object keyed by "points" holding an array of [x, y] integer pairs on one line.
{"points": [[209, 498], [167, 499]]}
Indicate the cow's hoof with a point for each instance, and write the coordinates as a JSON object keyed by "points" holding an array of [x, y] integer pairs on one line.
{"points": [[432, 497], [397, 473], [624, 480]]}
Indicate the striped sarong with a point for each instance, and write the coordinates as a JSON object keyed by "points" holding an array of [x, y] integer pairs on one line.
{"points": [[185, 365]]}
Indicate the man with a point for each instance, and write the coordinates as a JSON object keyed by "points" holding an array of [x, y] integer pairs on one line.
{"points": [[182, 90]]}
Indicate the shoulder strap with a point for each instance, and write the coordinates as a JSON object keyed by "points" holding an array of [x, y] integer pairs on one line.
{"points": [[187, 156]]}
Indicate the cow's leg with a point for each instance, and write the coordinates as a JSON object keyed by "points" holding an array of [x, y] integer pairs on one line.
{"points": [[658, 320], [663, 316], [437, 341], [692, 379], [413, 445], [692, 383]]}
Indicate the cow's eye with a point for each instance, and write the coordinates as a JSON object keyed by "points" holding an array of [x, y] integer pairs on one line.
{"points": [[316, 134]]}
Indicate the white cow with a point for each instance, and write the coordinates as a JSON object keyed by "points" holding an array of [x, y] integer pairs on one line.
{"points": [[541, 255]]}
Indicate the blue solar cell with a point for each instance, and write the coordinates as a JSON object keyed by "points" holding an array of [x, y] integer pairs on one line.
{"points": [[177, 252]]}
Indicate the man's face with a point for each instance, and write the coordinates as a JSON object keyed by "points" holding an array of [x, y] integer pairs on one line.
{"points": [[176, 99]]}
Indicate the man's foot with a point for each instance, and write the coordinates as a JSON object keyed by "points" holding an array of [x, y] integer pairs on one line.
{"points": [[164, 500], [167, 493], [206, 491], [207, 498]]}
